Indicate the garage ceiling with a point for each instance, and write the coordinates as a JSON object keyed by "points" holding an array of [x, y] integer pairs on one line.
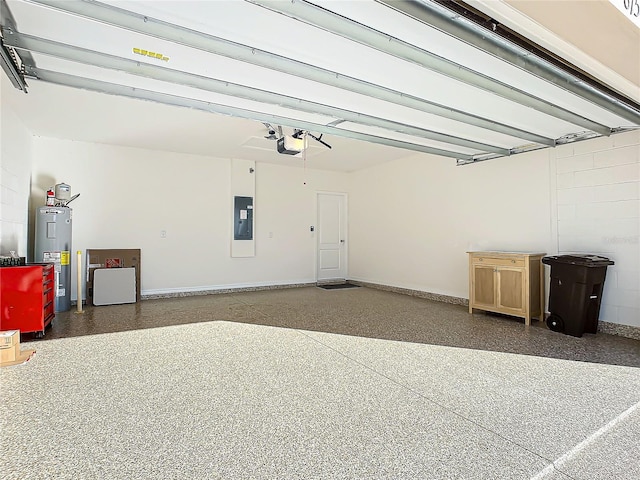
{"points": [[409, 75]]}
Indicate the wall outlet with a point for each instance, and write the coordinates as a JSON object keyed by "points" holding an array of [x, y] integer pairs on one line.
{"points": [[163, 234]]}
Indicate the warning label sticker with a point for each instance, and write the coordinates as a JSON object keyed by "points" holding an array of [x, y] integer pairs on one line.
{"points": [[51, 257], [112, 262], [64, 258]]}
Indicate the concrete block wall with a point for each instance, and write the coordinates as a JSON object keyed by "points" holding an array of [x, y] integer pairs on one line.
{"points": [[597, 203], [15, 171]]}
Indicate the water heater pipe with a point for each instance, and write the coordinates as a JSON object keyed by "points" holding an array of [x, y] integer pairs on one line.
{"points": [[79, 301]]}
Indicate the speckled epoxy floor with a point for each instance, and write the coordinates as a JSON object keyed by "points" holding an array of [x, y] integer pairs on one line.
{"points": [[311, 383], [362, 312]]}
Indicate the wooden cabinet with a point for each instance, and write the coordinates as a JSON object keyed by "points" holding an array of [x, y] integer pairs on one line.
{"points": [[27, 297], [507, 282]]}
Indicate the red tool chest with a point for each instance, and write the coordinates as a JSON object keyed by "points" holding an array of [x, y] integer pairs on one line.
{"points": [[27, 295]]}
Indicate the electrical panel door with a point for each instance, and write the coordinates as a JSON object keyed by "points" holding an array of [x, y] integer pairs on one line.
{"points": [[243, 218]]}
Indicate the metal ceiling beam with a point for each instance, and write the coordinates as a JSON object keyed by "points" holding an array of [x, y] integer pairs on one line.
{"points": [[7, 60], [11, 70], [450, 22], [570, 138], [174, 100], [118, 17], [165, 74], [357, 32]]}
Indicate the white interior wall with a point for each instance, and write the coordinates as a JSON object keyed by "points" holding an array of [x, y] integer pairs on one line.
{"points": [[597, 191], [128, 196], [15, 172], [413, 220]]}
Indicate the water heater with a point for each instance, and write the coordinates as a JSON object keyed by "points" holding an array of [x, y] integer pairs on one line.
{"points": [[53, 245]]}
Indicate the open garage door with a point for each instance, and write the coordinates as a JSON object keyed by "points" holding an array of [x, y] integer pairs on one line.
{"points": [[429, 76]]}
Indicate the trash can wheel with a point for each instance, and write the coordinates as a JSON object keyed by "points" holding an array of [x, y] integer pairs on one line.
{"points": [[555, 323]]}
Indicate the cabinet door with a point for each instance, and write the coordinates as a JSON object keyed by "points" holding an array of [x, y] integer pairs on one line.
{"points": [[22, 296], [511, 289], [484, 285]]}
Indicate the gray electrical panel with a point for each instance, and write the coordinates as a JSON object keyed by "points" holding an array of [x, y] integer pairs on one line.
{"points": [[243, 218], [53, 245]]}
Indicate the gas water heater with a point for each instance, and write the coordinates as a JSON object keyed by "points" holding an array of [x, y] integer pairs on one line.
{"points": [[53, 242]]}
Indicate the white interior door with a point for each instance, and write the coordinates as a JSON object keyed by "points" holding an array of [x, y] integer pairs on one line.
{"points": [[332, 241]]}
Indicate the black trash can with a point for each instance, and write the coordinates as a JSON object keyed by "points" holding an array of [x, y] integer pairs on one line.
{"points": [[575, 293]]}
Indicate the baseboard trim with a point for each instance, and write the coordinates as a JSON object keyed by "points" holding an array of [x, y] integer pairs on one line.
{"points": [[437, 297], [191, 292], [621, 330]]}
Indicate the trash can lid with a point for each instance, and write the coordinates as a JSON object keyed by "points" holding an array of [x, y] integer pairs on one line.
{"points": [[582, 260]]}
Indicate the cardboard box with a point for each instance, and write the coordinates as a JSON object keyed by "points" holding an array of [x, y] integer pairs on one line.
{"points": [[9, 345], [9, 338], [111, 258], [21, 357], [10, 353]]}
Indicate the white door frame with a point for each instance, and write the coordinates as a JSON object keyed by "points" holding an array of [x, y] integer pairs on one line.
{"points": [[344, 233]]}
